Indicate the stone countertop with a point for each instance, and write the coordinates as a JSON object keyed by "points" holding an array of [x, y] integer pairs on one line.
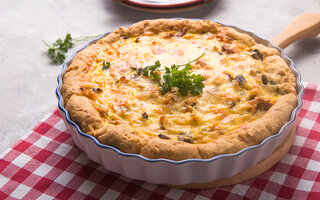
{"points": [[28, 78]]}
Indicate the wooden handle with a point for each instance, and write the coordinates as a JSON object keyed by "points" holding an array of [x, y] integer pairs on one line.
{"points": [[304, 26]]}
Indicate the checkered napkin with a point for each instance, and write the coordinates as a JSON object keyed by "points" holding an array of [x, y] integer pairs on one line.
{"points": [[45, 164]]}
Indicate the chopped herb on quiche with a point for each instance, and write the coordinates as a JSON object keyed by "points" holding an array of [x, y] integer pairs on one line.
{"points": [[105, 65]]}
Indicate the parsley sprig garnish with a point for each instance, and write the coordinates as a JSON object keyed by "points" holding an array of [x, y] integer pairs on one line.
{"points": [[60, 47], [183, 79]]}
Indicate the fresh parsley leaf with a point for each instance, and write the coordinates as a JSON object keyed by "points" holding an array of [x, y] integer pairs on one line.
{"points": [[174, 77], [60, 57], [183, 80], [197, 84], [153, 71], [68, 41], [60, 47], [105, 65]]}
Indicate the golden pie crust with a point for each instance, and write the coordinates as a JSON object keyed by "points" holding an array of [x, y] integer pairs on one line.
{"points": [[248, 96]]}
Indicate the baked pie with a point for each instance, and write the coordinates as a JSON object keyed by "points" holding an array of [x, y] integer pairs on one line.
{"points": [[179, 89]]}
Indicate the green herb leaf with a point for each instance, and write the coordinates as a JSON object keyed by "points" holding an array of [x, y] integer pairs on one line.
{"points": [[68, 41], [60, 47], [153, 71], [183, 80], [173, 77], [105, 65]]}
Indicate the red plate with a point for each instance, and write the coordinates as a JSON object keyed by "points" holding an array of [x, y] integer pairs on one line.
{"points": [[162, 3]]}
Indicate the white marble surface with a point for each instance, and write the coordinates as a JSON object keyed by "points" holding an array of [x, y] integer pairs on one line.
{"points": [[28, 79]]}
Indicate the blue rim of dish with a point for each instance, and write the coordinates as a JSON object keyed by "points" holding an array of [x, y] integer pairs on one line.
{"points": [[280, 132]]}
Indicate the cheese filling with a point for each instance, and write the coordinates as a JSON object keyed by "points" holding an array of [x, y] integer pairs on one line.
{"points": [[236, 91]]}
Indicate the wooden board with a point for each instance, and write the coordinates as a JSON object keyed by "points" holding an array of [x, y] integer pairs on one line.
{"points": [[259, 168]]}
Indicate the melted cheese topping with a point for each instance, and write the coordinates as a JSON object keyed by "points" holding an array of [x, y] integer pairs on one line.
{"points": [[234, 92]]}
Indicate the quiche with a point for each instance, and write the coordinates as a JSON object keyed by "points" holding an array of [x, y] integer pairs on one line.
{"points": [[179, 89]]}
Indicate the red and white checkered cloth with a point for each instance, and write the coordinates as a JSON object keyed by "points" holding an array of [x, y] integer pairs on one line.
{"points": [[45, 164]]}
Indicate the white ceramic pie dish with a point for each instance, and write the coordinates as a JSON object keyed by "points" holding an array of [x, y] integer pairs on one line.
{"points": [[190, 171]]}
